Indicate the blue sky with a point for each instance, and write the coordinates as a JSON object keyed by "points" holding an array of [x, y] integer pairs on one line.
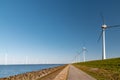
{"points": [[52, 31]]}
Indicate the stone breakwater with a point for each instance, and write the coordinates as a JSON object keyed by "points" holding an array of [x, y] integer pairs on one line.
{"points": [[33, 75]]}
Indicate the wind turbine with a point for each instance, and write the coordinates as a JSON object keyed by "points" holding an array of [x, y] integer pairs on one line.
{"points": [[75, 59], [6, 56], [78, 56], [6, 59], [84, 52], [104, 27], [26, 60]]}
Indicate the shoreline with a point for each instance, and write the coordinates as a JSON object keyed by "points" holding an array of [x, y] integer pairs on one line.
{"points": [[34, 74]]}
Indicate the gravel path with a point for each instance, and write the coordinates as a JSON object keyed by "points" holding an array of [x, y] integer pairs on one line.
{"points": [[76, 74]]}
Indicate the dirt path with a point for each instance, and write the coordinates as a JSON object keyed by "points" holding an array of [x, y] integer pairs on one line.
{"points": [[76, 74]]}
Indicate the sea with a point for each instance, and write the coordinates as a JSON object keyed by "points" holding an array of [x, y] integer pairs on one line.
{"points": [[11, 70]]}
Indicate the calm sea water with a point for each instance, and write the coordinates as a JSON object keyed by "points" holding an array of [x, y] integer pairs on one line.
{"points": [[10, 70]]}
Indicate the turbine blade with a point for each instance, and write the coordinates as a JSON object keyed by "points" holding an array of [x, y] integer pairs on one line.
{"points": [[86, 50], [113, 26], [78, 53], [102, 17], [100, 36]]}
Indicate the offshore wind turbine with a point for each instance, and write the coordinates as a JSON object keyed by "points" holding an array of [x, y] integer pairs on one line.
{"points": [[26, 60], [104, 27], [6, 59]]}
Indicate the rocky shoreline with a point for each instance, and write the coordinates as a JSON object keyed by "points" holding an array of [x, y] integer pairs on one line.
{"points": [[34, 74]]}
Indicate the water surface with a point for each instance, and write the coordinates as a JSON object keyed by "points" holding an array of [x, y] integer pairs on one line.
{"points": [[10, 70]]}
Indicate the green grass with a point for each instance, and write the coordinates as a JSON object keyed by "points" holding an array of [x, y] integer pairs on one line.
{"points": [[108, 69]]}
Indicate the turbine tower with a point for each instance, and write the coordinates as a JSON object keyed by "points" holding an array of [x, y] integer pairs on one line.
{"points": [[103, 41]]}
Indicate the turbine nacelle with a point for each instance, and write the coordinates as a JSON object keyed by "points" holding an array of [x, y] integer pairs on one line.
{"points": [[84, 48], [104, 26]]}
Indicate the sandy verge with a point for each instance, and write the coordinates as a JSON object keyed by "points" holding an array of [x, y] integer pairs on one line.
{"points": [[52, 75], [63, 74]]}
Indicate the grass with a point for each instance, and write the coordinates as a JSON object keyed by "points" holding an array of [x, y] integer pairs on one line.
{"points": [[108, 69]]}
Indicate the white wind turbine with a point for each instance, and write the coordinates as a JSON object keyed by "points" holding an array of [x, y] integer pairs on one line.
{"points": [[6, 56], [104, 27], [84, 52], [76, 57], [26, 60]]}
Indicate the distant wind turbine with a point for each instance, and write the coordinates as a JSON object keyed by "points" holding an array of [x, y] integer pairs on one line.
{"points": [[26, 60], [84, 52], [104, 27], [6, 58], [75, 59], [77, 56]]}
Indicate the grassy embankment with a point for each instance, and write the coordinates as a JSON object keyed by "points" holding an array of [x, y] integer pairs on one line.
{"points": [[108, 69]]}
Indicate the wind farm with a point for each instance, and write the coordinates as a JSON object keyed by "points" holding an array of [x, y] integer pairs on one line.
{"points": [[59, 40]]}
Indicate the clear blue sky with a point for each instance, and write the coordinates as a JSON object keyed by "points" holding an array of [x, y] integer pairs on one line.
{"points": [[52, 31]]}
